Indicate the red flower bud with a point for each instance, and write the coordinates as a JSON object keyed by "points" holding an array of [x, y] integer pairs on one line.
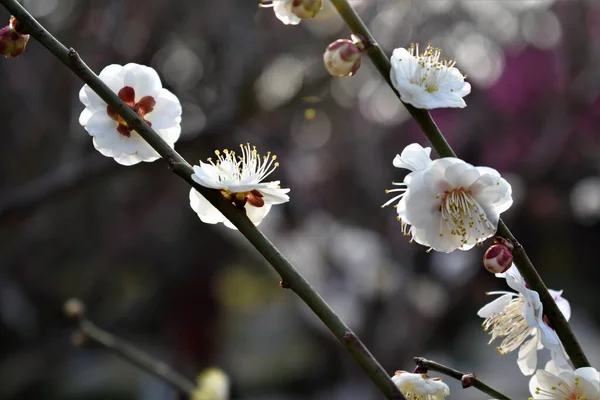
{"points": [[497, 258], [342, 58], [12, 43]]}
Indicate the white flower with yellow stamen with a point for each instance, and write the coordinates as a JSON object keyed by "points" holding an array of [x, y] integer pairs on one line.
{"points": [[140, 88], [239, 178], [426, 81], [552, 384], [420, 386], [518, 319], [448, 203]]}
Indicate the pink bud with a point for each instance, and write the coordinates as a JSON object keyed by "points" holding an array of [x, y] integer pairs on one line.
{"points": [[342, 58], [306, 9], [497, 259], [12, 43]]}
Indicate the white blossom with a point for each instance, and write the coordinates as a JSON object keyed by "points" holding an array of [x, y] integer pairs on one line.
{"points": [[141, 89], [518, 319], [426, 81], [239, 178], [448, 203], [420, 386], [556, 384], [283, 10]]}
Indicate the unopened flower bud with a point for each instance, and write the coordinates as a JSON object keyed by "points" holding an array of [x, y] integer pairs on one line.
{"points": [[12, 43], [306, 9], [342, 58], [497, 259]]}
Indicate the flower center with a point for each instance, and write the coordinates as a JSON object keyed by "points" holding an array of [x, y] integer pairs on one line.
{"points": [[509, 324], [463, 216], [432, 68], [249, 168], [239, 199], [141, 108]]}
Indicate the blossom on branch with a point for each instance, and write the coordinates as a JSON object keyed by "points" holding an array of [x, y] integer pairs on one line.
{"points": [[554, 384], [420, 386], [291, 12], [141, 89], [239, 179], [427, 81], [342, 58], [448, 203], [518, 319]]}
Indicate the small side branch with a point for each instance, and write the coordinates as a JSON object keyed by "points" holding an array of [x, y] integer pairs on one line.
{"points": [[467, 379], [87, 330]]}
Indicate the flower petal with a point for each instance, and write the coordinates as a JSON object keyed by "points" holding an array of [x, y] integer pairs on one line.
{"points": [[206, 211], [496, 306], [527, 359], [144, 80], [100, 124], [167, 111], [414, 158]]}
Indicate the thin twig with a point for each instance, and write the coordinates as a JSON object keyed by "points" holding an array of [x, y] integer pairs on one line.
{"points": [[179, 166], [137, 357], [75, 311], [441, 146], [467, 379]]}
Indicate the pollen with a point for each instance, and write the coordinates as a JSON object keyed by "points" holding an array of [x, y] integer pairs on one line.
{"points": [[463, 216]]}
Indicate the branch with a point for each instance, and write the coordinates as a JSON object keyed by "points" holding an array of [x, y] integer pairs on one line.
{"points": [[238, 218], [467, 379], [75, 310], [441, 146]]}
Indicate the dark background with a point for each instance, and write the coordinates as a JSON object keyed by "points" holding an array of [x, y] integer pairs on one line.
{"points": [[125, 241]]}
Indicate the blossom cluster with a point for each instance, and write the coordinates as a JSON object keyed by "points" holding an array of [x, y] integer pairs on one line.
{"points": [[444, 204]]}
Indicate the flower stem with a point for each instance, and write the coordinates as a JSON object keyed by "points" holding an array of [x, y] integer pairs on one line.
{"points": [[137, 356], [290, 276], [441, 146], [467, 379]]}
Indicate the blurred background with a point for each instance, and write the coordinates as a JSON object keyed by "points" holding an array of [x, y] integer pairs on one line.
{"points": [[125, 241]]}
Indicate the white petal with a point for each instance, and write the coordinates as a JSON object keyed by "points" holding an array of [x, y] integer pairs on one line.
{"points": [[561, 302], [85, 116], [462, 175], [257, 214], [273, 194], [127, 159], [434, 177], [544, 380], [113, 70], [167, 111], [494, 191], [283, 12], [207, 175], [495, 307], [589, 385], [414, 158], [100, 124], [170, 135], [422, 207], [91, 100], [144, 80], [206, 211], [527, 359]]}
